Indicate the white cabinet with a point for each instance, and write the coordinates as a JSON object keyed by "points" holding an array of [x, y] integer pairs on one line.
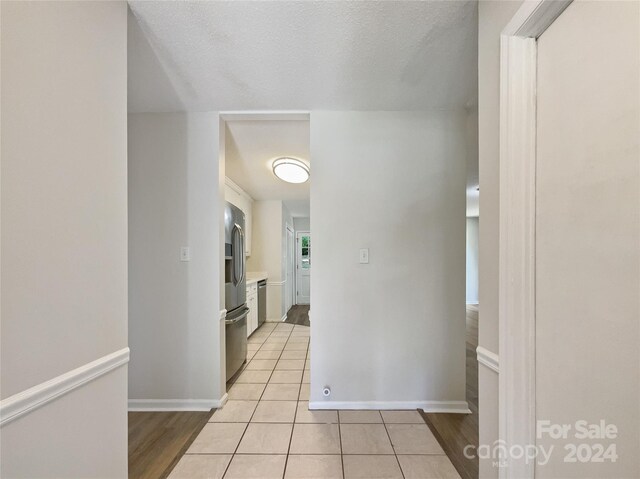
{"points": [[238, 197], [252, 303]]}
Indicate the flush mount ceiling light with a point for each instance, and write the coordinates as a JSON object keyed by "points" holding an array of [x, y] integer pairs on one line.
{"points": [[290, 170]]}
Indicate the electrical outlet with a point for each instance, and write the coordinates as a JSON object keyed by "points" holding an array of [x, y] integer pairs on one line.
{"points": [[185, 253], [364, 256]]}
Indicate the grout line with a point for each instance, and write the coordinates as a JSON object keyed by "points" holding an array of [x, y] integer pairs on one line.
{"points": [[392, 447]]}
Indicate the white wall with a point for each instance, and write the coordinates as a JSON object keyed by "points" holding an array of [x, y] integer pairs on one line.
{"points": [[64, 233], [175, 199], [390, 333], [472, 260], [588, 233], [266, 252], [302, 224], [492, 18]]}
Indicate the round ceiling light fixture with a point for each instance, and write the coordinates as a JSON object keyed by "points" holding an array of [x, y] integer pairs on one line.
{"points": [[290, 170]]}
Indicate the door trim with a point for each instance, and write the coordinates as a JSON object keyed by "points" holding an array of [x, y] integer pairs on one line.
{"points": [[291, 261], [518, 64]]}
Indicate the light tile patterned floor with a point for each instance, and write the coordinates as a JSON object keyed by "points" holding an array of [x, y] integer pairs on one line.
{"points": [[267, 431]]}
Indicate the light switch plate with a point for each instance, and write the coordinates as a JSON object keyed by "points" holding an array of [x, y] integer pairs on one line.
{"points": [[185, 253], [364, 256]]}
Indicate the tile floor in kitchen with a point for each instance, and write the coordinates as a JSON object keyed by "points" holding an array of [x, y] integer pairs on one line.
{"points": [[266, 430]]}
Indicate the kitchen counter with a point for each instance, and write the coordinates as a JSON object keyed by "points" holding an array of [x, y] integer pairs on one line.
{"points": [[254, 277]]}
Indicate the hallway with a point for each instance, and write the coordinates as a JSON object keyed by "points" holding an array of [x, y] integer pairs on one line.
{"points": [[266, 430], [298, 314]]}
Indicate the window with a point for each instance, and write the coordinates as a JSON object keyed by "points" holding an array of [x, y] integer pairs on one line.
{"points": [[305, 245]]}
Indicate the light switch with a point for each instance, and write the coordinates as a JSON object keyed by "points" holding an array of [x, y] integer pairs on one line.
{"points": [[364, 256], [185, 253]]}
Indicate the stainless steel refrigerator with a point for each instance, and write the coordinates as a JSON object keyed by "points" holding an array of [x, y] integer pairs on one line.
{"points": [[235, 289]]}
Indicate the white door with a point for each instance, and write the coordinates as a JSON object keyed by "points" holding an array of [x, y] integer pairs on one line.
{"points": [[587, 232], [303, 267], [290, 279], [569, 236]]}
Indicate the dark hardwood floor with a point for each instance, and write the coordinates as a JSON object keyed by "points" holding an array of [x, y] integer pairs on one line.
{"points": [[157, 440], [455, 431], [298, 314]]}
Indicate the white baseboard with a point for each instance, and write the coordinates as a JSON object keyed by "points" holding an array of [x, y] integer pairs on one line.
{"points": [[37, 396], [459, 407], [176, 404], [283, 319]]}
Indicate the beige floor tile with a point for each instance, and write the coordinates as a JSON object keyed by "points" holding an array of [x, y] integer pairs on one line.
{"points": [[315, 439], [402, 417], [275, 411], [284, 327], [257, 338], [298, 339], [296, 347], [281, 392], [251, 354], [293, 355], [365, 439], [360, 417], [246, 391], [290, 377], [200, 466], [261, 364], [314, 467], [371, 467], [304, 415], [217, 438], [272, 347], [235, 411], [263, 466], [427, 467], [264, 354], [306, 378], [292, 364], [280, 334], [266, 439], [413, 439], [253, 377], [304, 392], [275, 342]]}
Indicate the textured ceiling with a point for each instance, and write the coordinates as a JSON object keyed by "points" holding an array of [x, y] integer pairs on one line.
{"points": [[251, 146], [313, 55]]}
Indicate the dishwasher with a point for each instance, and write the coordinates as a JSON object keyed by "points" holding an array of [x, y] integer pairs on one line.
{"points": [[262, 302]]}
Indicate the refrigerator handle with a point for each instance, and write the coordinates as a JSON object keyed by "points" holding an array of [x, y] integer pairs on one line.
{"points": [[242, 316], [242, 260], [234, 256]]}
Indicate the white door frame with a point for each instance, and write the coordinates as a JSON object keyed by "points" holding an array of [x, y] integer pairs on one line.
{"points": [[291, 268], [518, 65]]}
